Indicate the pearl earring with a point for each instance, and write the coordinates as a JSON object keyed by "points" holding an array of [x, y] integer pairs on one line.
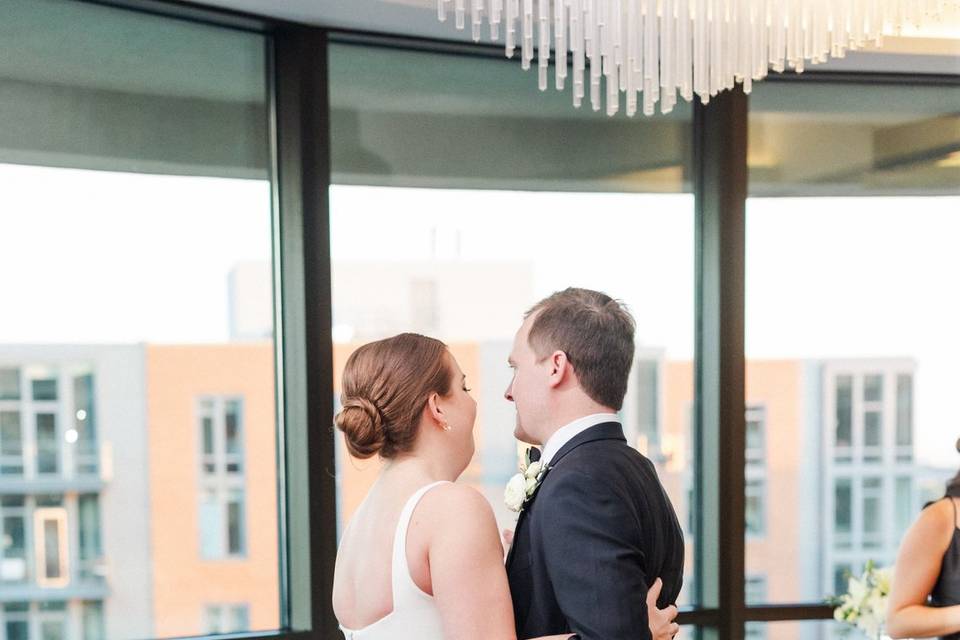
{"points": [[447, 427]]}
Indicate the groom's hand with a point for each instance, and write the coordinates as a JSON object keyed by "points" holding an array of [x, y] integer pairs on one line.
{"points": [[507, 539], [662, 625]]}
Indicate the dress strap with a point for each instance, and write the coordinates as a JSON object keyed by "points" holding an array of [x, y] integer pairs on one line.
{"points": [[953, 501], [400, 580]]}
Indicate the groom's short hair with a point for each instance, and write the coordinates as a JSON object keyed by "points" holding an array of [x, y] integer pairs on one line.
{"points": [[595, 332]]}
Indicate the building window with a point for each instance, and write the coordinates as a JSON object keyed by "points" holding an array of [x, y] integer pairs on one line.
{"points": [[842, 513], [92, 618], [11, 444], [755, 592], [44, 389], [223, 495], [16, 617], [13, 561], [756, 508], [224, 618], [841, 577], [9, 384], [85, 425], [872, 512], [756, 435], [50, 545], [903, 505], [843, 441], [48, 444], [872, 418], [904, 418], [91, 548]]}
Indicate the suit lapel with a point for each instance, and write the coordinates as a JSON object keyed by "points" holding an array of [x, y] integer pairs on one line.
{"points": [[603, 431]]}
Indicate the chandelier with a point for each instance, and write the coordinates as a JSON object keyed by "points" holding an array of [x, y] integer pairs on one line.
{"points": [[654, 50]]}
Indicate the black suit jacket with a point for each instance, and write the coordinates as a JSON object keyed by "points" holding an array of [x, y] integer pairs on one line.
{"points": [[588, 545]]}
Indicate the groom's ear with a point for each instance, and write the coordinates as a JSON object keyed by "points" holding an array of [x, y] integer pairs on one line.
{"points": [[560, 368]]}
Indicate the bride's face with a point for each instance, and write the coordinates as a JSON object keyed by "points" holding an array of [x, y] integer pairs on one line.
{"points": [[461, 410]]}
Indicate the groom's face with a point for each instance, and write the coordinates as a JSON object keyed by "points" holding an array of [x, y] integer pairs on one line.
{"points": [[528, 387]]}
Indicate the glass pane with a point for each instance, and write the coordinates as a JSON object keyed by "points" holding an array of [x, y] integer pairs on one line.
{"points": [[529, 177], [904, 411], [872, 429], [852, 219], [93, 624], [232, 420], [904, 506], [51, 549], [45, 389], [9, 384], [18, 630], [85, 425], [135, 187], [235, 527], [843, 506], [844, 403], [11, 443], [48, 445]]}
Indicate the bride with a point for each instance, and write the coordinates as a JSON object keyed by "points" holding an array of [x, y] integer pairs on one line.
{"points": [[406, 400]]}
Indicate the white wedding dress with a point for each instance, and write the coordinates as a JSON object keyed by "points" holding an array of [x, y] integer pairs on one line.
{"points": [[415, 615]]}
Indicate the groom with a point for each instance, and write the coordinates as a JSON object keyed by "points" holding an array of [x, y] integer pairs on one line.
{"points": [[599, 528]]}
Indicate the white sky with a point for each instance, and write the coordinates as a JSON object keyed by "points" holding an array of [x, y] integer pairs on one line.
{"points": [[105, 257]]}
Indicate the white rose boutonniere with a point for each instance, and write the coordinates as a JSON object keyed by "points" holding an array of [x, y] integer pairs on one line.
{"points": [[523, 485]]}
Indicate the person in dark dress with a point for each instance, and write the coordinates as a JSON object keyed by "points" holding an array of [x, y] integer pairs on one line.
{"points": [[925, 597]]}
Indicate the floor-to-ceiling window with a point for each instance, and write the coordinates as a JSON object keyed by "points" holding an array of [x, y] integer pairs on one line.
{"points": [[138, 475], [851, 323]]}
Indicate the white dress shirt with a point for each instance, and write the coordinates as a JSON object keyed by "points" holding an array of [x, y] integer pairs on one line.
{"points": [[565, 434]]}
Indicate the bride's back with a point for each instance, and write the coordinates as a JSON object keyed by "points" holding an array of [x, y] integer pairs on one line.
{"points": [[362, 588]]}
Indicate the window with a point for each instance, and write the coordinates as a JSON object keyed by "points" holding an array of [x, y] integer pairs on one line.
{"points": [[11, 444], [872, 418], [92, 620], [872, 513], [48, 444], [50, 542], [756, 507], [904, 506], [91, 546], [222, 519], [9, 384], [755, 593], [843, 513], [44, 389], [222, 618], [904, 433], [136, 179], [84, 434], [442, 214], [837, 325], [756, 428], [14, 564], [844, 403]]}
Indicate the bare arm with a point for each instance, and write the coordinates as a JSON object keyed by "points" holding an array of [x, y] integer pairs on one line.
{"points": [[466, 567], [915, 574]]}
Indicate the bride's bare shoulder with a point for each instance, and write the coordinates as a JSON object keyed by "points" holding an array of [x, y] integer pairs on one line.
{"points": [[458, 506]]}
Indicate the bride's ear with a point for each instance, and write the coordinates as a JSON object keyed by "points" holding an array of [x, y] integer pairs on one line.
{"points": [[434, 410]]}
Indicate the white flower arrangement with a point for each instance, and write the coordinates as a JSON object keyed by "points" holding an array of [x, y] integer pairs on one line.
{"points": [[865, 603], [523, 485]]}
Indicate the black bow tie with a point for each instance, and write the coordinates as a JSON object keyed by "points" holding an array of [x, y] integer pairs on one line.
{"points": [[533, 454]]}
